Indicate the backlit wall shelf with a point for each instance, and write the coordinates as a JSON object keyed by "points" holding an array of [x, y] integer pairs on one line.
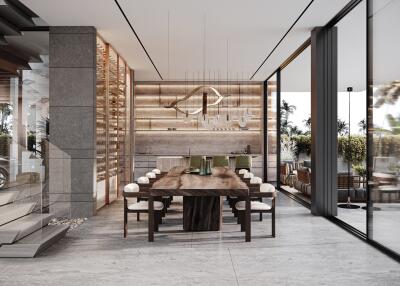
{"points": [[151, 99], [163, 131], [113, 100]]}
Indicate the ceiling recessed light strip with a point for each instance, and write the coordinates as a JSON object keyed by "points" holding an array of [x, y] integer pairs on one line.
{"points": [[280, 41], [137, 37]]}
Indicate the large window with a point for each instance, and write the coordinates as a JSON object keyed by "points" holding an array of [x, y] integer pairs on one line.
{"points": [[351, 112], [271, 129], [295, 126], [384, 128]]}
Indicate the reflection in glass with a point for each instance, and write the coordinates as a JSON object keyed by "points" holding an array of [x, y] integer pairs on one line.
{"points": [[271, 130], [385, 122], [24, 135], [351, 124]]}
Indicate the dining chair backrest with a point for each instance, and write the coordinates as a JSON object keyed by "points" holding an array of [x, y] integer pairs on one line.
{"points": [[243, 162], [131, 188], [156, 171], [143, 180], [195, 161], [150, 175], [220, 161], [256, 180], [248, 175]]}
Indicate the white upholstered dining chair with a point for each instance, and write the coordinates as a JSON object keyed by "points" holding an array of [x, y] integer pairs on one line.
{"points": [[142, 206]]}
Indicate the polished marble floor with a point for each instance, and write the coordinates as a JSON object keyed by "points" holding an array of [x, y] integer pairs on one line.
{"points": [[308, 250]]}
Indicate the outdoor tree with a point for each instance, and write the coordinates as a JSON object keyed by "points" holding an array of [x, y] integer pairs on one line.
{"points": [[342, 127], [307, 123], [286, 110]]}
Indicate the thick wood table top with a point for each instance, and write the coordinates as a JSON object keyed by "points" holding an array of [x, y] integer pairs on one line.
{"points": [[222, 182]]}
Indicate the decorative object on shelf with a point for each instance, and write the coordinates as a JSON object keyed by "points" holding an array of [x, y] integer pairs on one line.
{"points": [[242, 122], [203, 167], [208, 167]]}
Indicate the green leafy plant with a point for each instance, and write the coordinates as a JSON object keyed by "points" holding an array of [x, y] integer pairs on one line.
{"points": [[303, 144], [5, 113], [353, 150], [5, 141], [360, 170], [31, 141]]}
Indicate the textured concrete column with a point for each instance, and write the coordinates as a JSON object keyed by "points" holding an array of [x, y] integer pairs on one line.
{"points": [[72, 156], [324, 121]]}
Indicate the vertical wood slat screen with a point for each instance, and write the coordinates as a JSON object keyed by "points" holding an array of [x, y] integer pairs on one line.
{"points": [[112, 126]]}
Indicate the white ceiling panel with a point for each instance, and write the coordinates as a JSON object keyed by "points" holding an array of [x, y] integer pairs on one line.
{"points": [[251, 28], [105, 16]]}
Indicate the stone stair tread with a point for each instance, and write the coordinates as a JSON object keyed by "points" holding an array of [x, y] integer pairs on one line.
{"points": [[33, 244], [17, 229], [7, 197], [14, 211]]}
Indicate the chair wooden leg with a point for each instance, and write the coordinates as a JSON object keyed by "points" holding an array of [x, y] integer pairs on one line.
{"points": [[261, 216], [138, 216], [160, 217], [273, 218], [125, 223], [242, 221], [125, 217], [157, 216]]}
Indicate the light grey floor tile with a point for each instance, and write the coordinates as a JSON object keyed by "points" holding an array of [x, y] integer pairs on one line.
{"points": [[307, 250]]}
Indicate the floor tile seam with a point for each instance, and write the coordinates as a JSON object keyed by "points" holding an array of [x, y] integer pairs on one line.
{"points": [[233, 267]]}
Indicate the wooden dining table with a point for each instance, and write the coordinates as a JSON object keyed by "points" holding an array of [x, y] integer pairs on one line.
{"points": [[201, 196]]}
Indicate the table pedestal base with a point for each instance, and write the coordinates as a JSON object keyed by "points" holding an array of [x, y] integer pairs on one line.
{"points": [[202, 213]]}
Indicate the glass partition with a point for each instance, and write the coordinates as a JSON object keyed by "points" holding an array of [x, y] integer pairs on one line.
{"points": [[351, 162], [271, 130], [384, 124], [295, 126], [24, 135]]}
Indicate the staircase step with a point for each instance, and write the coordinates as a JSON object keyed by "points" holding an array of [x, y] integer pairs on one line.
{"points": [[17, 229], [7, 197], [11, 212], [33, 244]]}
